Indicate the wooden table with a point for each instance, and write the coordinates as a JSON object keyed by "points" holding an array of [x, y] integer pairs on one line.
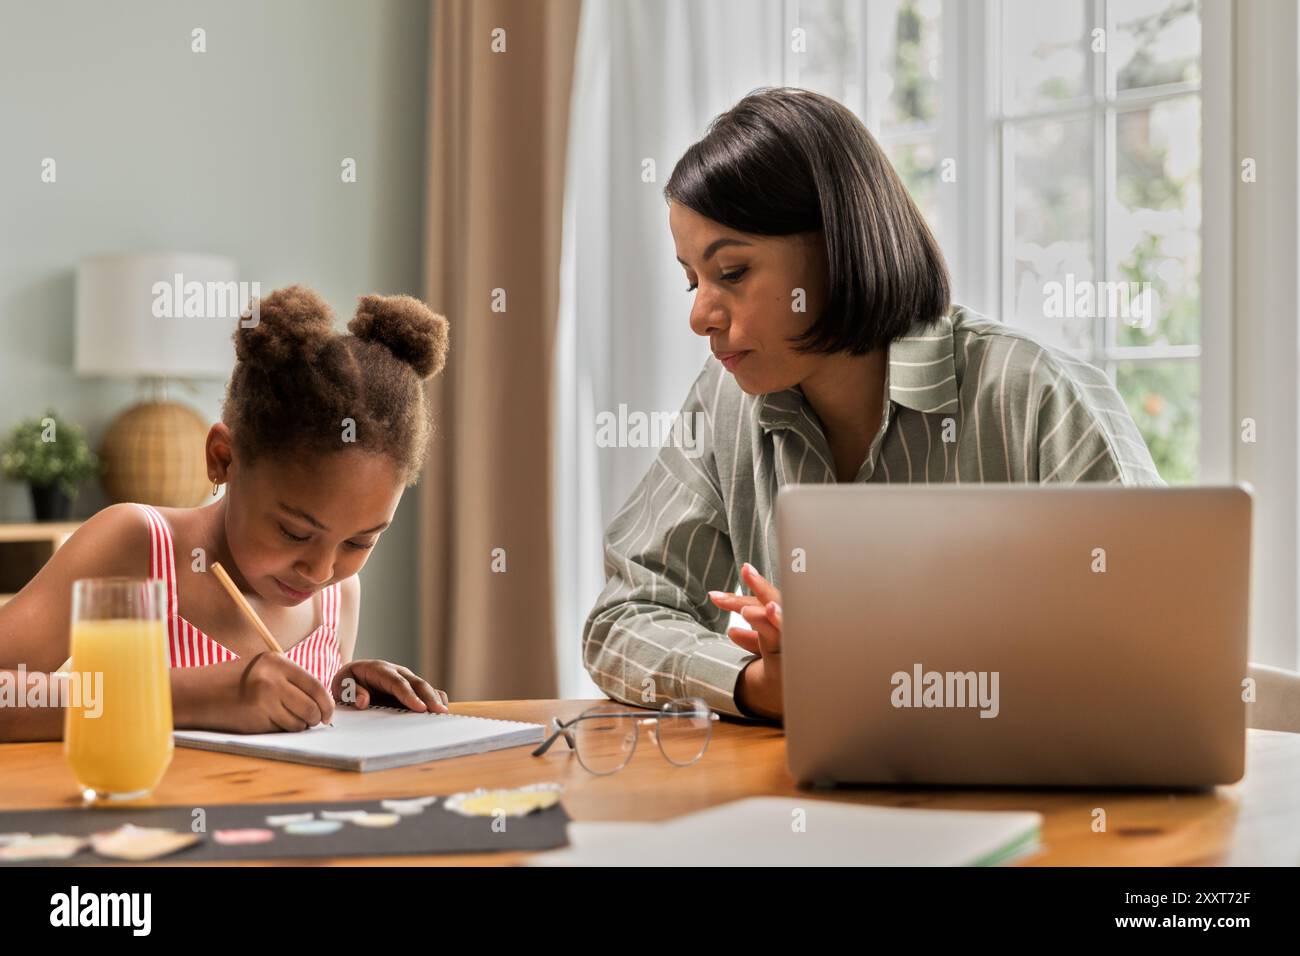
{"points": [[1256, 821]]}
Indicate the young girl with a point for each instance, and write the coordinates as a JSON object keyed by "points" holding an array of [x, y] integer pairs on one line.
{"points": [[320, 434]]}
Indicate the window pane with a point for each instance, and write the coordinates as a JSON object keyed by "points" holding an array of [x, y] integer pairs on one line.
{"points": [[1155, 218], [1154, 42], [1051, 240], [1047, 52], [1164, 400], [904, 39], [830, 66], [918, 167]]}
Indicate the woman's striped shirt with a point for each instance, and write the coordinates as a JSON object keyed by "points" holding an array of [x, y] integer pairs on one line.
{"points": [[970, 400]]}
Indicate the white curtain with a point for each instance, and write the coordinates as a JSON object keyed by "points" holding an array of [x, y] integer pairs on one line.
{"points": [[649, 77]]}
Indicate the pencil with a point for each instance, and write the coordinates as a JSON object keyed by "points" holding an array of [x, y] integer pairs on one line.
{"points": [[244, 606], [247, 608]]}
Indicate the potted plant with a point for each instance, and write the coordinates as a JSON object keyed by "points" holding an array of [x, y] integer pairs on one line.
{"points": [[51, 455]]}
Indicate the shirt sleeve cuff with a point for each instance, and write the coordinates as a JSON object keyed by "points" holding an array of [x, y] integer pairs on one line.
{"points": [[712, 673]]}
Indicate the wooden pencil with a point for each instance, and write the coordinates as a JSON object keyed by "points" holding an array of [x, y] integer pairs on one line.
{"points": [[244, 606], [249, 613]]}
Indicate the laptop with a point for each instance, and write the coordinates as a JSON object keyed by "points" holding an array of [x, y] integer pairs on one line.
{"points": [[1014, 635]]}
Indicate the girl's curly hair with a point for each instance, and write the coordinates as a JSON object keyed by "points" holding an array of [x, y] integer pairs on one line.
{"points": [[296, 380]]}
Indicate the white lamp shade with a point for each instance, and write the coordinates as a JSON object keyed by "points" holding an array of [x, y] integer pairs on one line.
{"points": [[166, 314]]}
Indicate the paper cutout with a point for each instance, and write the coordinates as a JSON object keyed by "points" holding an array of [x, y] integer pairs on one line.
{"points": [[408, 808], [47, 846], [130, 842], [511, 803], [284, 819], [244, 837], [345, 815], [376, 820], [314, 827]]}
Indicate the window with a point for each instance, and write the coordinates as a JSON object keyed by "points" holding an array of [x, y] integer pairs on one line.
{"points": [[1101, 156], [882, 59], [1094, 142]]}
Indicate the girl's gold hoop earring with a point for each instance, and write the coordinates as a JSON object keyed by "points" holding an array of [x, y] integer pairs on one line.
{"points": [[216, 485]]}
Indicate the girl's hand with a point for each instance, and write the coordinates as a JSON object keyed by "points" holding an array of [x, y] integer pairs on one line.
{"points": [[759, 687], [380, 677], [259, 695]]}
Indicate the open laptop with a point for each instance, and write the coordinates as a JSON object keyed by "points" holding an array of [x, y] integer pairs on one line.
{"points": [[1015, 635]]}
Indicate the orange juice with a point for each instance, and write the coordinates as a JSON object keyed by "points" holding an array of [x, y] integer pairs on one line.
{"points": [[125, 750]]}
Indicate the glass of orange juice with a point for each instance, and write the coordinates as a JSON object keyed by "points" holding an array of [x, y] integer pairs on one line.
{"points": [[118, 735]]}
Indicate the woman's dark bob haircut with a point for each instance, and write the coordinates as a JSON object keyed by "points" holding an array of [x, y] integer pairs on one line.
{"points": [[785, 161]]}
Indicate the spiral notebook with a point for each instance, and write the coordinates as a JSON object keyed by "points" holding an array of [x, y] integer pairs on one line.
{"points": [[377, 738]]}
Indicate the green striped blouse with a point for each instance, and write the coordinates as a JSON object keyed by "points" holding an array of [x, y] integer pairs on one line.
{"points": [[970, 399]]}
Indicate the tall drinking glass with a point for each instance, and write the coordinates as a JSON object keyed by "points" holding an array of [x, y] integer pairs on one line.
{"points": [[118, 729]]}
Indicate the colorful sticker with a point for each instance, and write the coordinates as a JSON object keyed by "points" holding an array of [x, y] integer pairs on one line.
{"points": [[511, 803], [376, 820], [344, 815], [284, 819], [244, 837], [314, 827], [407, 808], [47, 846], [130, 842]]}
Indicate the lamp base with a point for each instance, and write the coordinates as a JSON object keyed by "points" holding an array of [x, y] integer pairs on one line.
{"points": [[153, 453]]}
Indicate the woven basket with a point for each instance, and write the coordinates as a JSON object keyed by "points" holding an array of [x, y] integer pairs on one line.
{"points": [[153, 453]]}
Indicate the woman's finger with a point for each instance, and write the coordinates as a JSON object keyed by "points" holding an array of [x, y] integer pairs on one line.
{"points": [[761, 586], [756, 618], [775, 614], [745, 638], [731, 602]]}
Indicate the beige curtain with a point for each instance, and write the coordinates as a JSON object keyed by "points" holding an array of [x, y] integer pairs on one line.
{"points": [[498, 125]]}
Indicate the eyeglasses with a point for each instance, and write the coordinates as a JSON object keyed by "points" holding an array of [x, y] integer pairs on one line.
{"points": [[604, 737]]}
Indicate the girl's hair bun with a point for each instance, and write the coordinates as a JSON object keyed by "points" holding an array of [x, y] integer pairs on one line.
{"points": [[294, 324], [406, 327]]}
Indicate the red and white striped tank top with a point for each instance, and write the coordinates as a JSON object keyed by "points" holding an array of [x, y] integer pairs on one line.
{"points": [[317, 653]]}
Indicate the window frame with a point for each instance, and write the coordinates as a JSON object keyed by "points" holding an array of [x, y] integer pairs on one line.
{"points": [[1250, 250], [983, 216]]}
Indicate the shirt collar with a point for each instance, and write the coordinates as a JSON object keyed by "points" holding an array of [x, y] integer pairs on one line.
{"points": [[922, 376], [922, 369]]}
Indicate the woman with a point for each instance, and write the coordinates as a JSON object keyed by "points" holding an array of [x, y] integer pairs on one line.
{"points": [[837, 357]]}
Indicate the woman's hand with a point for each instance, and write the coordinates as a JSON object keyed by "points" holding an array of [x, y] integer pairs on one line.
{"points": [[759, 688], [371, 677]]}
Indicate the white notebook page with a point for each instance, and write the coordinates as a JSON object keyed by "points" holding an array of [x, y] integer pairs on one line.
{"points": [[377, 735]]}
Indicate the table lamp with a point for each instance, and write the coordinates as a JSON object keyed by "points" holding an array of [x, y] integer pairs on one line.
{"points": [[157, 317]]}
